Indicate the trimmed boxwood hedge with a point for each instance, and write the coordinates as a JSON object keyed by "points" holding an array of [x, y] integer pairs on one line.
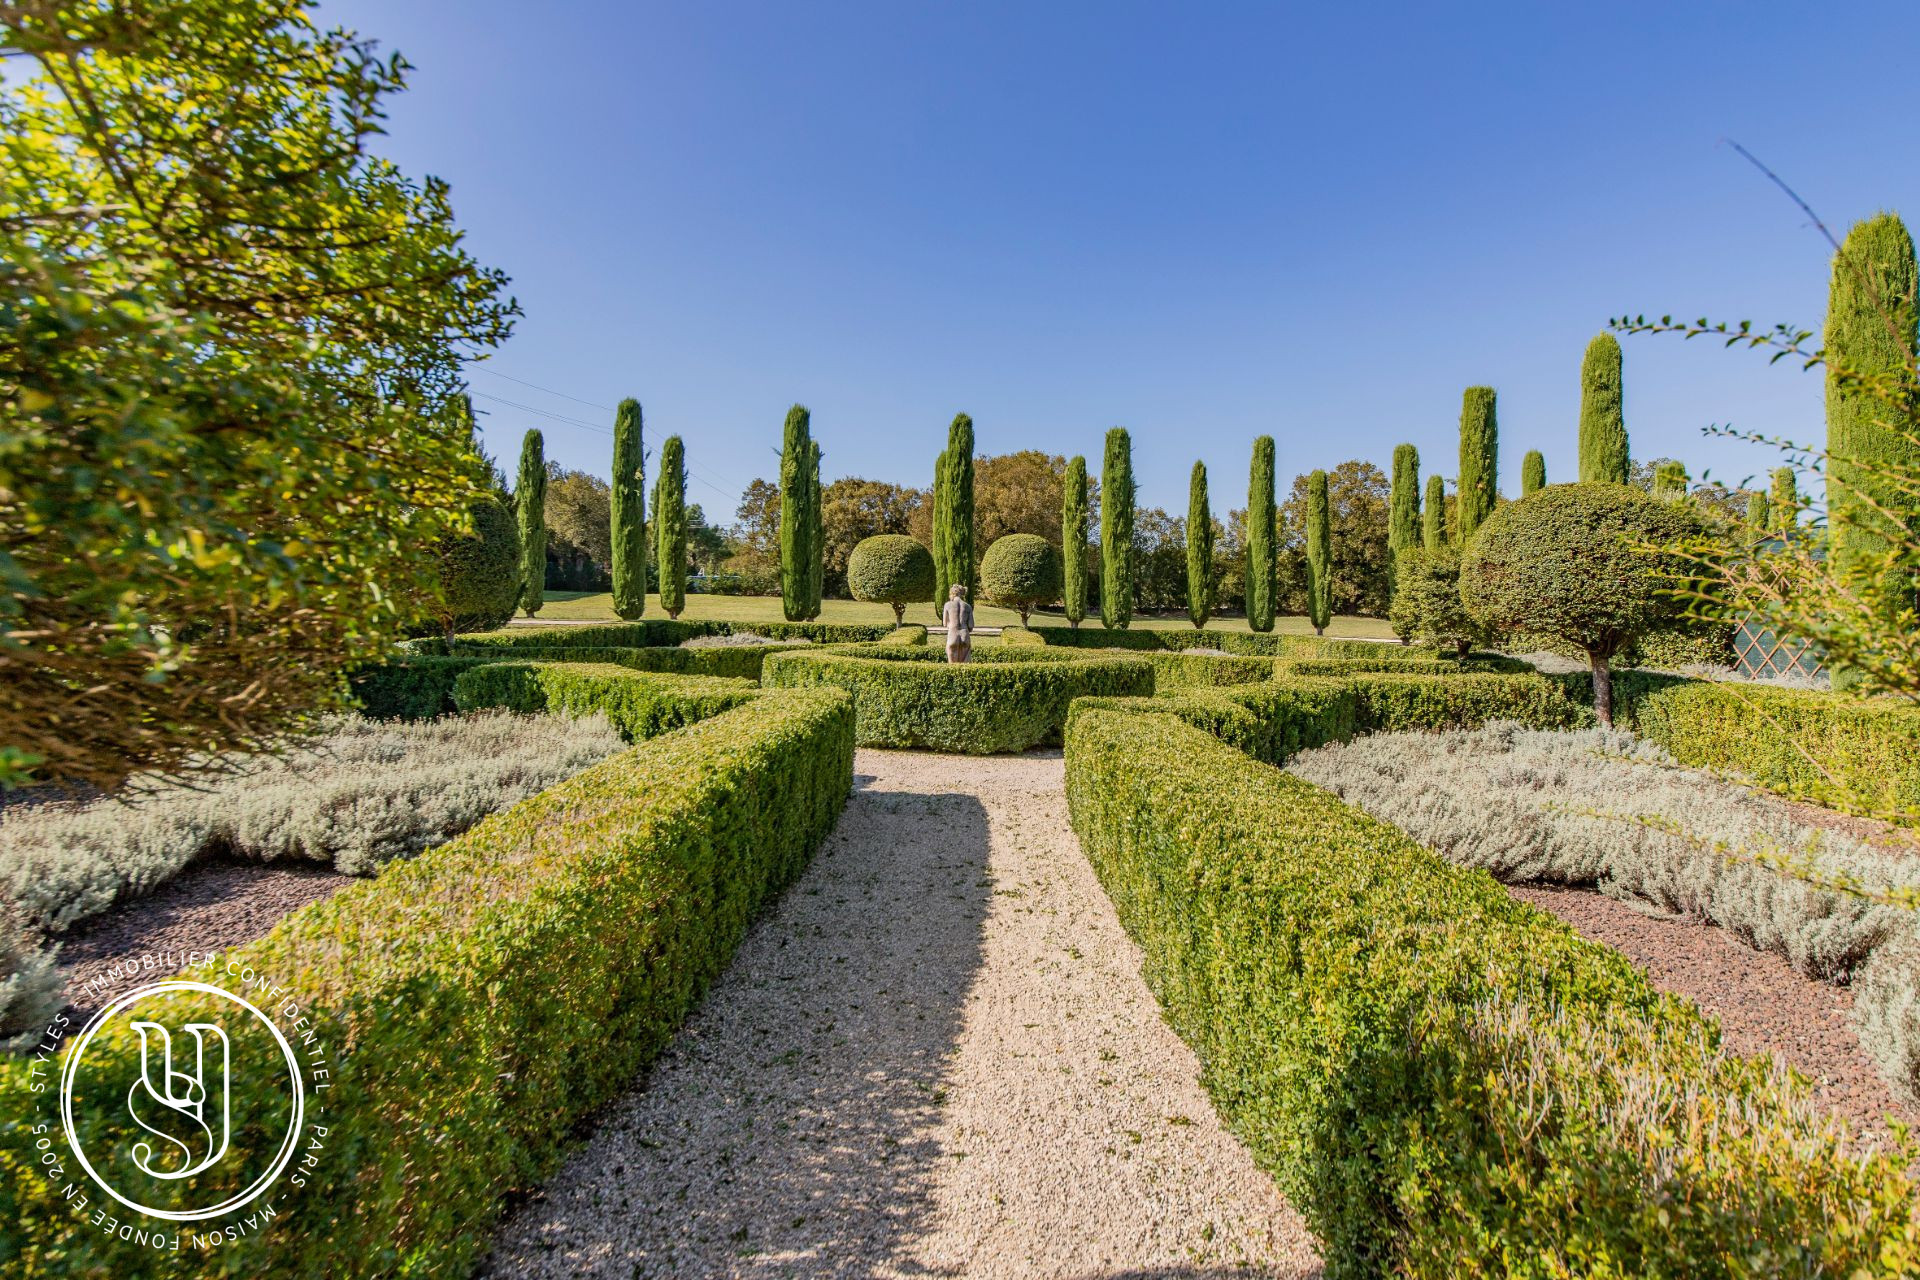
{"points": [[733, 661], [412, 687], [478, 1001], [907, 633], [658, 632], [638, 705], [905, 697], [1238, 643], [1445, 1081], [1860, 755]]}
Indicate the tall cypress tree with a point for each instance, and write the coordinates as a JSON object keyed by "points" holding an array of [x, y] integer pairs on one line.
{"points": [[1533, 472], [1479, 462], [1433, 517], [816, 533], [1603, 422], [1073, 534], [530, 511], [958, 495], [1319, 553], [1871, 331], [1261, 532], [1199, 548], [1116, 532], [1759, 513], [670, 520], [629, 511], [1670, 481], [1403, 506], [794, 527], [1783, 503], [941, 579]]}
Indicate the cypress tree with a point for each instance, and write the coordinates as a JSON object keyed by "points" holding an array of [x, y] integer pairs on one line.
{"points": [[794, 518], [1603, 422], [816, 533], [1479, 462], [1403, 507], [959, 503], [1670, 481], [1871, 332], [1199, 548], [670, 518], [1533, 472], [1073, 534], [941, 579], [530, 512], [1433, 516], [629, 511], [1757, 511], [1783, 504], [1260, 537], [1319, 553], [1116, 532]]}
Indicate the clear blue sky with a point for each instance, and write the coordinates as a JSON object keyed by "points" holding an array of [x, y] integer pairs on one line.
{"points": [[1202, 222]]}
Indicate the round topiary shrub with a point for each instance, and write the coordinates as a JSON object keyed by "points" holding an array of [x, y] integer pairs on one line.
{"points": [[1021, 571], [477, 573], [890, 568], [1590, 564]]}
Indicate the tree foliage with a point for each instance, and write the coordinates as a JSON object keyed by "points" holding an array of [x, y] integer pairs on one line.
{"points": [[628, 527], [477, 571], [1116, 531], [890, 568], [1403, 504], [1603, 423], [580, 514], [1200, 535], [942, 522], [1433, 515], [796, 458], [1783, 500], [854, 509], [953, 516], [1479, 485], [1670, 480], [670, 519], [1021, 571], [1319, 541], [530, 513], [1262, 536], [1533, 472], [1073, 527], [815, 533], [1360, 562], [1427, 608], [230, 339]]}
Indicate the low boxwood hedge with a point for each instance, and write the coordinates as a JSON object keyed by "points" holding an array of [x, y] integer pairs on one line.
{"points": [[410, 687], [905, 697], [480, 1000], [1861, 755], [732, 661], [906, 633], [639, 705], [1444, 1081], [1239, 643], [658, 632]]}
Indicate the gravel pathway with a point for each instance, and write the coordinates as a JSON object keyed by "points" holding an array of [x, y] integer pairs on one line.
{"points": [[935, 1057]]}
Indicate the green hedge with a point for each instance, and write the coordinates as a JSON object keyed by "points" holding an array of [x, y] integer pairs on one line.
{"points": [[1444, 1081], [410, 688], [1681, 644], [906, 633], [732, 662], [485, 997], [903, 700], [1206, 670], [659, 632], [1860, 755], [1238, 643], [637, 704], [1020, 636]]}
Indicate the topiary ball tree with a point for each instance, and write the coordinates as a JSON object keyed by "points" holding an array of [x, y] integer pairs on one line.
{"points": [[1588, 564], [1021, 571], [891, 568]]}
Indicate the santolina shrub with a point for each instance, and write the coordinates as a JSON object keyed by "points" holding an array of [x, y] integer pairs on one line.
{"points": [[1445, 1081], [480, 1000], [355, 797]]}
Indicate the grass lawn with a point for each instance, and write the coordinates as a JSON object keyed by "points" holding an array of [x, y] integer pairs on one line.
{"points": [[575, 606]]}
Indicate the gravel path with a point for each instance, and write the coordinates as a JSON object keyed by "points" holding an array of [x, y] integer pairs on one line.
{"points": [[935, 1057]]}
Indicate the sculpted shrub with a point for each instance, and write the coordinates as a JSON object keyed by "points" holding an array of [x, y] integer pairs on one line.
{"points": [[1021, 571], [891, 568]]}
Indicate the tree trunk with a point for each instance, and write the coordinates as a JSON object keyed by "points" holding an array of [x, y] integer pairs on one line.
{"points": [[1023, 617], [1602, 688], [899, 615]]}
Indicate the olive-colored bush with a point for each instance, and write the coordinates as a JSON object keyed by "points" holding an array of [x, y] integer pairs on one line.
{"points": [[1590, 564], [891, 568], [1021, 571]]}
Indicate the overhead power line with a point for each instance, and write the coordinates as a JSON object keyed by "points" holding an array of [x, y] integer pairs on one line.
{"points": [[729, 495]]}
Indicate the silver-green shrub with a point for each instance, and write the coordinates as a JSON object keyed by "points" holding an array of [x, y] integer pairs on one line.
{"points": [[1604, 809], [356, 796], [30, 986]]}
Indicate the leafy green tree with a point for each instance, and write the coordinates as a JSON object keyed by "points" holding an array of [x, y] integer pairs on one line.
{"points": [[530, 512], [1262, 531], [230, 345], [1426, 602], [580, 514], [1073, 527], [1479, 462], [628, 526], [1433, 516], [1533, 472], [890, 568], [1116, 532], [816, 533], [1021, 571], [1588, 564], [796, 520], [1359, 567], [670, 518], [1603, 423], [956, 514], [1403, 503], [1199, 548], [854, 509], [1319, 553]]}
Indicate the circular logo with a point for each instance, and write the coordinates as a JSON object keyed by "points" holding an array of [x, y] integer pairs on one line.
{"points": [[187, 1095]]}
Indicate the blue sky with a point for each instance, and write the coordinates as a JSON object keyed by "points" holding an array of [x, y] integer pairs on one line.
{"points": [[1202, 222]]}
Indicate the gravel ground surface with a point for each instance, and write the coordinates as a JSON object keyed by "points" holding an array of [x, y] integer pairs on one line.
{"points": [[208, 907], [1762, 1004], [934, 1057]]}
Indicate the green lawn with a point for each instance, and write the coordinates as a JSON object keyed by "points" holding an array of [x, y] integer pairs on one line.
{"points": [[570, 606]]}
